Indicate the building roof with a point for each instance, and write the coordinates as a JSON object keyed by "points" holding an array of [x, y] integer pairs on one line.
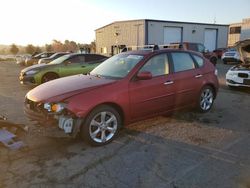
{"points": [[152, 20]]}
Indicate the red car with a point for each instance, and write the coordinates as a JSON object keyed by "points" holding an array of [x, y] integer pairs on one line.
{"points": [[127, 87]]}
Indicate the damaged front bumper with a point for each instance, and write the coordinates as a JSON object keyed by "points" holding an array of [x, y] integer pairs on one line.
{"points": [[65, 121]]}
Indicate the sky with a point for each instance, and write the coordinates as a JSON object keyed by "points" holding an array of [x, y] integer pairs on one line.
{"points": [[40, 21]]}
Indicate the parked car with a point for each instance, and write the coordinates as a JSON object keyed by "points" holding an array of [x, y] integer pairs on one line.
{"points": [[198, 47], [125, 88], [52, 57], [219, 52], [239, 75], [34, 59], [66, 65], [231, 55], [20, 59]]}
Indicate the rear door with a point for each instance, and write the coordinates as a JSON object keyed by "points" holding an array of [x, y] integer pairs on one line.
{"points": [[187, 78], [148, 97]]}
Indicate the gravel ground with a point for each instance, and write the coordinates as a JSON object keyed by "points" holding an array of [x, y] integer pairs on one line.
{"points": [[187, 149]]}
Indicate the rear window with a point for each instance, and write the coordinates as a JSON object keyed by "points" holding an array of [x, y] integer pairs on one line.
{"points": [[199, 60], [182, 61]]}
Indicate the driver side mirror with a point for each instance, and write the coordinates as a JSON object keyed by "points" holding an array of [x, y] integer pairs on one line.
{"points": [[144, 75]]}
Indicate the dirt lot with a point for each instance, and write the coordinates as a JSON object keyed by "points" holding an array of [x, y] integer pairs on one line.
{"points": [[186, 150]]}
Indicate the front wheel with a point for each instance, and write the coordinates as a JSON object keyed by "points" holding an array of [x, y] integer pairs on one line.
{"points": [[206, 99], [101, 126]]}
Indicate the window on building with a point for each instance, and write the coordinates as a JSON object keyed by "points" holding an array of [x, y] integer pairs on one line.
{"points": [[235, 30], [104, 50], [182, 61]]}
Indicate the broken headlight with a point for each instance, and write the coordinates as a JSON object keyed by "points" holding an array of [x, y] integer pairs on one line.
{"points": [[54, 107]]}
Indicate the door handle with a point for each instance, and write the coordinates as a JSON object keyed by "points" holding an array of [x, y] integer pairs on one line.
{"points": [[168, 82], [198, 75]]}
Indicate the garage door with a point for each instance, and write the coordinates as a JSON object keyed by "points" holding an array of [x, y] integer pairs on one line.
{"points": [[210, 39], [172, 34]]}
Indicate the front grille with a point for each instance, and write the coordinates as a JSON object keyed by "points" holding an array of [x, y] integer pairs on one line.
{"points": [[243, 75], [34, 106], [229, 54]]}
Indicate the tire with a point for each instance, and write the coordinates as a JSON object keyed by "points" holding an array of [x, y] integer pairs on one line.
{"points": [[206, 99], [49, 76], [96, 131]]}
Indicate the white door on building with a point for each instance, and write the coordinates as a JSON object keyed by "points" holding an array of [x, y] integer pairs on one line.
{"points": [[210, 39], [172, 34]]}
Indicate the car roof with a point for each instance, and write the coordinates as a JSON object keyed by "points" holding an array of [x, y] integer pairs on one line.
{"points": [[148, 52]]}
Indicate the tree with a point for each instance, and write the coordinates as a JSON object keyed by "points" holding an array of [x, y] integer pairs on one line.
{"points": [[30, 49], [38, 49], [14, 49], [48, 48], [57, 46], [70, 46]]}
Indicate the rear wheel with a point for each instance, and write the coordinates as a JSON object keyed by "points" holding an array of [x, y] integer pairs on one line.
{"points": [[101, 126], [206, 99], [49, 76]]}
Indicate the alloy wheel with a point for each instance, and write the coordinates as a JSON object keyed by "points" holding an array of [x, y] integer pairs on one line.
{"points": [[206, 99], [103, 126]]}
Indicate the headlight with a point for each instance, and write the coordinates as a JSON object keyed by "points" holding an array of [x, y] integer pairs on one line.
{"points": [[31, 72], [54, 107], [232, 74]]}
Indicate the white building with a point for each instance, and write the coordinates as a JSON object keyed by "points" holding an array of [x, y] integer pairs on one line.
{"points": [[239, 31], [111, 38]]}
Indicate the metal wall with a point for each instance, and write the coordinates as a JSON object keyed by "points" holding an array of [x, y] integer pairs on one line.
{"points": [[245, 29], [233, 38], [141, 32], [191, 32], [129, 33]]}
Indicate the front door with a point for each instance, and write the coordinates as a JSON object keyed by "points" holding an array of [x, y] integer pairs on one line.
{"points": [[73, 66], [148, 97]]}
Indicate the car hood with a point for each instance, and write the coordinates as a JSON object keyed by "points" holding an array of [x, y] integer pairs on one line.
{"points": [[243, 47], [241, 67], [34, 67], [60, 89]]}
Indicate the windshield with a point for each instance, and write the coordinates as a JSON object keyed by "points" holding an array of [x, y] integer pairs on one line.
{"points": [[117, 66], [60, 59]]}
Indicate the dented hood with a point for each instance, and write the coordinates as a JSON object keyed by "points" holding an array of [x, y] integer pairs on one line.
{"points": [[243, 47], [65, 87]]}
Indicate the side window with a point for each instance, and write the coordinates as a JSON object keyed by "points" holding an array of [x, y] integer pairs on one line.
{"points": [[74, 60], [201, 48], [90, 58], [199, 60], [182, 61], [157, 65]]}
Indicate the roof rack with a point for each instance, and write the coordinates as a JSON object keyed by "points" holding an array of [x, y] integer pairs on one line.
{"points": [[152, 47]]}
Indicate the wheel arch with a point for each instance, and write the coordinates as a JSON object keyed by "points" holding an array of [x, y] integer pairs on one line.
{"points": [[49, 72], [113, 105], [213, 88]]}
